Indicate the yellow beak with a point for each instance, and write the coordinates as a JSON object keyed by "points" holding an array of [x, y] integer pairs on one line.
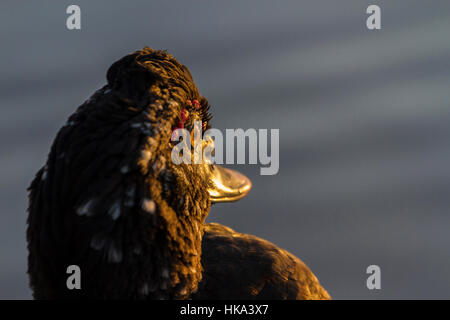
{"points": [[228, 185]]}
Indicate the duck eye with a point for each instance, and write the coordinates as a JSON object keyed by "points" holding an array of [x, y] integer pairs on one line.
{"points": [[184, 115], [196, 104], [199, 108]]}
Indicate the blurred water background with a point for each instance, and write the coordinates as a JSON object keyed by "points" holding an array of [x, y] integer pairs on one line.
{"points": [[363, 116]]}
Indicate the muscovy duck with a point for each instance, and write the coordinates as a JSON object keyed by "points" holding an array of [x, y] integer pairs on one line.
{"points": [[110, 200]]}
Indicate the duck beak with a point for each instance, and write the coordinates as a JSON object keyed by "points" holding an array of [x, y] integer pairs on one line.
{"points": [[228, 185]]}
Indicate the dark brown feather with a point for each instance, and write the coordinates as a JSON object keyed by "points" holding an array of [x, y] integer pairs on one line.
{"points": [[242, 266], [110, 200]]}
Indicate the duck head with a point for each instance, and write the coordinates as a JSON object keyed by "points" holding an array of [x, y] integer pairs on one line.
{"points": [[110, 199]]}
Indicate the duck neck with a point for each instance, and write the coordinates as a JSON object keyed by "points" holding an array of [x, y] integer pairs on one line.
{"points": [[174, 245], [155, 247], [171, 207]]}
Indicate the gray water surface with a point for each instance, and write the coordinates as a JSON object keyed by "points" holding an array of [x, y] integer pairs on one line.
{"points": [[363, 116]]}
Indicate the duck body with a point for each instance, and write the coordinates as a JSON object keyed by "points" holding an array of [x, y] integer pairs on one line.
{"points": [[110, 201], [242, 266]]}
